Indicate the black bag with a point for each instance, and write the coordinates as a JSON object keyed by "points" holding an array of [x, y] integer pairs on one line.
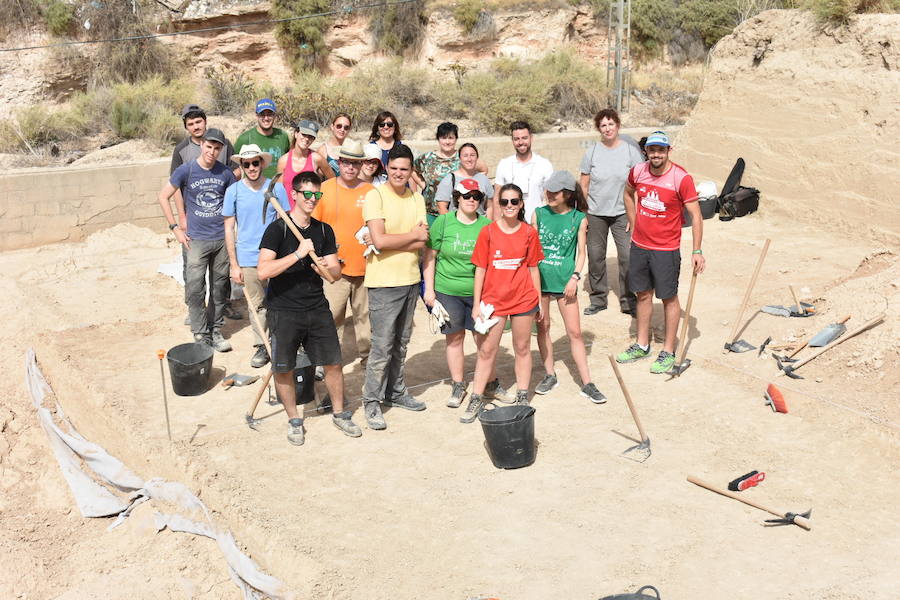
{"points": [[742, 201]]}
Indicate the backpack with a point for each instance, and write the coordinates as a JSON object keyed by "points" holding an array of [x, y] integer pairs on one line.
{"points": [[738, 203]]}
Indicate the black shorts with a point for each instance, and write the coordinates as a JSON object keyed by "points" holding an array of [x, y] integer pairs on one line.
{"points": [[656, 270], [460, 310], [314, 330]]}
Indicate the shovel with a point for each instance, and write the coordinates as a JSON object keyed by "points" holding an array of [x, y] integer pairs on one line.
{"points": [[681, 363], [789, 369], [733, 345], [823, 338], [640, 452]]}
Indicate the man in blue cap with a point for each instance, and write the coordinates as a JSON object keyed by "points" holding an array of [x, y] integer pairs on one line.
{"points": [[265, 135]]}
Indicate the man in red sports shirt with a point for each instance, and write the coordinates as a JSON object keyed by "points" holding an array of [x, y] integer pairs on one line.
{"points": [[655, 194]]}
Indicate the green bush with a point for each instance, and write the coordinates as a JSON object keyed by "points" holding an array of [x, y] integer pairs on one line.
{"points": [[399, 29], [466, 13], [231, 93], [303, 40], [840, 12], [59, 17], [35, 126]]}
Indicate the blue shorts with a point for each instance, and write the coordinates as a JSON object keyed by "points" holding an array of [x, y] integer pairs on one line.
{"points": [[460, 310]]}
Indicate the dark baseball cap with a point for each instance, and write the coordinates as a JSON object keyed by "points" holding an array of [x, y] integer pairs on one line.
{"points": [[214, 135], [189, 108]]}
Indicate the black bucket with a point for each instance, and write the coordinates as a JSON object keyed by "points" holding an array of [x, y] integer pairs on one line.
{"points": [[709, 207], [509, 433], [189, 368], [638, 595], [304, 379]]}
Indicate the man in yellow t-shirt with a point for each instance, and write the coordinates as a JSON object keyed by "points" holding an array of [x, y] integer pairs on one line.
{"points": [[341, 207], [397, 227]]}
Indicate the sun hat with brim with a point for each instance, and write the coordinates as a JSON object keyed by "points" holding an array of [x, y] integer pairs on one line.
{"points": [[352, 150], [560, 180], [214, 135], [657, 138], [465, 186], [372, 152], [307, 128], [249, 151]]}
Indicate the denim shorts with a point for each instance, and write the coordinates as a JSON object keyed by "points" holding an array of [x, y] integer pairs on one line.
{"points": [[460, 310]]}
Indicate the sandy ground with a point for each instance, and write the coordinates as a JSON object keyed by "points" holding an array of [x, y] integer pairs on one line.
{"points": [[418, 509]]}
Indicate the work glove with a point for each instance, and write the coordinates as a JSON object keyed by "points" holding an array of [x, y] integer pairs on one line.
{"points": [[484, 322], [360, 237], [439, 315]]}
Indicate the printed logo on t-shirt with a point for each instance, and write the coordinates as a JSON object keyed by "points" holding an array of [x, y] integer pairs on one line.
{"points": [[650, 200]]}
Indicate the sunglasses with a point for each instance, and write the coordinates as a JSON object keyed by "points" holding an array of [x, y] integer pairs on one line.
{"points": [[385, 125], [513, 201], [309, 195], [472, 196], [350, 163], [252, 163], [341, 126]]}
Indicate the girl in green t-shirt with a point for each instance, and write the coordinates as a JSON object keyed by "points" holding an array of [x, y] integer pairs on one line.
{"points": [[562, 228]]}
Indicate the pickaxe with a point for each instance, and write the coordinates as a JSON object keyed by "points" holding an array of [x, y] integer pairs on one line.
{"points": [[789, 369]]}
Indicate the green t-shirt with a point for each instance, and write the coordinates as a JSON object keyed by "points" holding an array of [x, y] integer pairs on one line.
{"points": [[559, 239], [454, 242], [276, 144]]}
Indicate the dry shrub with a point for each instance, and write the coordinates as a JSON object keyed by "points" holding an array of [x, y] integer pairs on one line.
{"points": [[231, 92], [35, 126]]}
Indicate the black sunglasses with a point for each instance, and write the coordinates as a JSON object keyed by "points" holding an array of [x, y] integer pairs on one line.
{"points": [[308, 194], [385, 125], [472, 196], [513, 201], [341, 126], [252, 163]]}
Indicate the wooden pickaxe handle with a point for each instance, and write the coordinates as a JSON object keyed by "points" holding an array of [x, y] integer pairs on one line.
{"points": [[840, 340], [806, 343], [679, 358], [259, 394], [737, 321], [798, 520]]}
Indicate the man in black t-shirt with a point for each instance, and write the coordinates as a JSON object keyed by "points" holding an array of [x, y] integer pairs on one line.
{"points": [[298, 313]]}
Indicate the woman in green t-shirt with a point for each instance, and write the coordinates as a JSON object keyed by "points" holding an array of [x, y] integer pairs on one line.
{"points": [[449, 277], [562, 228]]}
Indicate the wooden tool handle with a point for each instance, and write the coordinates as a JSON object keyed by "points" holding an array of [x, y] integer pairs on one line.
{"points": [[801, 521], [759, 264], [806, 343], [840, 340], [259, 394], [255, 318], [634, 415], [679, 357], [800, 308], [325, 273]]}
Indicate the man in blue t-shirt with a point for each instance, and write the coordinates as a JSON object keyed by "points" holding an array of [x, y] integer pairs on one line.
{"points": [[244, 201], [202, 183]]}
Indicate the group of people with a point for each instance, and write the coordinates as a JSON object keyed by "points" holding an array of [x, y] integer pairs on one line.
{"points": [[386, 228]]}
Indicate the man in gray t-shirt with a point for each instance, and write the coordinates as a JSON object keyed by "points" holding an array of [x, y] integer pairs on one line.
{"points": [[604, 172]]}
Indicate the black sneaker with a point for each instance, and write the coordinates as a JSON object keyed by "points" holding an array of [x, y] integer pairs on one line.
{"points": [[593, 309], [591, 392], [547, 383], [474, 408], [457, 394], [260, 357]]}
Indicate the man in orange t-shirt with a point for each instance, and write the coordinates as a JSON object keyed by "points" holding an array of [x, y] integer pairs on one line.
{"points": [[341, 207]]}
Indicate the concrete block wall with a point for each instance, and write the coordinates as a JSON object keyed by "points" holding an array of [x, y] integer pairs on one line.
{"points": [[43, 206]]}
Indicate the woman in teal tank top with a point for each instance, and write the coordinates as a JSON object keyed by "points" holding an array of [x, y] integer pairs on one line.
{"points": [[562, 228]]}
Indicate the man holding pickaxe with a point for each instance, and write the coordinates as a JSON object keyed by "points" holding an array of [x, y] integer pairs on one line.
{"points": [[298, 312]]}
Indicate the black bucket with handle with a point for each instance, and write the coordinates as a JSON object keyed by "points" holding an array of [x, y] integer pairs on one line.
{"points": [[509, 434], [638, 595], [189, 368]]}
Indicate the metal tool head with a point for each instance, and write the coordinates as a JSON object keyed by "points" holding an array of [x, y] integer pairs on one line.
{"points": [[777, 310], [788, 370], [679, 368], [762, 347], [252, 423], [269, 196], [784, 358], [788, 518], [739, 346], [638, 453], [827, 335]]}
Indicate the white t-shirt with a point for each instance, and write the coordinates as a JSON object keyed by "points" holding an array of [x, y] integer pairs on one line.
{"points": [[530, 176]]}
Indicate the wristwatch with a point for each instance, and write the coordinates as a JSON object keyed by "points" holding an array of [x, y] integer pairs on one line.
{"points": [[173, 226], [576, 275]]}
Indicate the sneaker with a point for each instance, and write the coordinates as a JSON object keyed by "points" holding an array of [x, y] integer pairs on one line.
{"points": [[343, 422], [457, 393], [260, 358], [231, 313], [373, 415], [633, 353], [663, 363], [219, 343], [522, 397], [591, 392], [547, 383], [295, 432], [593, 309], [202, 338], [473, 409], [406, 401], [494, 391], [320, 373]]}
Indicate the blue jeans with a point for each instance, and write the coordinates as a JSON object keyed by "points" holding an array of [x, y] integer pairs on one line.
{"points": [[203, 255], [391, 311]]}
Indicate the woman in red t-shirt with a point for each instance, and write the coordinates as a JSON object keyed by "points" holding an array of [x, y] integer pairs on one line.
{"points": [[506, 258]]}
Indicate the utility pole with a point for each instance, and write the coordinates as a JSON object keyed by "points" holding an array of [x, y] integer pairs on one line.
{"points": [[618, 57]]}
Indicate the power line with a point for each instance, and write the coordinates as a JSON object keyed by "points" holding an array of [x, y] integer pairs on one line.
{"points": [[344, 10]]}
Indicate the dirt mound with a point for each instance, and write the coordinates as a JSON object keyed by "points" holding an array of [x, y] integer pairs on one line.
{"points": [[813, 111]]}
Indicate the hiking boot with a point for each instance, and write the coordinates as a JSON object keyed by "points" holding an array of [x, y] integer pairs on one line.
{"points": [[295, 431], [473, 409], [374, 418], [591, 392], [406, 401], [522, 397], [547, 383], [260, 357], [320, 373], [203, 338], [457, 393], [219, 343], [343, 422], [593, 309], [633, 353], [494, 391], [663, 363], [231, 313]]}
